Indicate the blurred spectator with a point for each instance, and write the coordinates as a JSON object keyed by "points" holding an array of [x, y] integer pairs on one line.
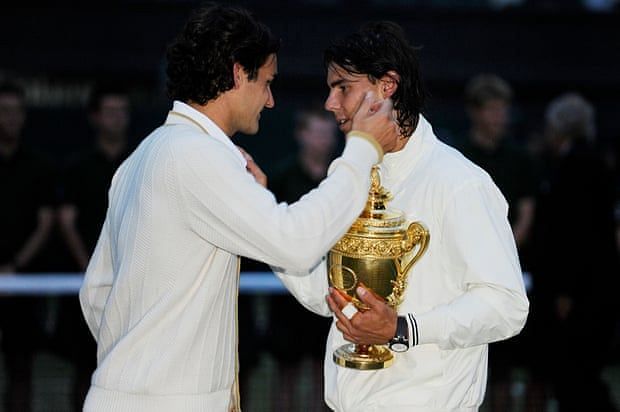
{"points": [[489, 145], [316, 135], [577, 259], [488, 100], [26, 219], [81, 214]]}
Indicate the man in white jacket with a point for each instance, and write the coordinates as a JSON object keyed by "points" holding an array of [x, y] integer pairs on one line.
{"points": [[160, 290], [465, 292]]}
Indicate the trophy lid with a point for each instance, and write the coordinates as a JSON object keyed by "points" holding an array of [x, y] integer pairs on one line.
{"points": [[376, 218]]}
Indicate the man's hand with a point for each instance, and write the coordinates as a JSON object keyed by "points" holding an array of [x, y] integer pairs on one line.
{"points": [[375, 326], [375, 117], [253, 168]]}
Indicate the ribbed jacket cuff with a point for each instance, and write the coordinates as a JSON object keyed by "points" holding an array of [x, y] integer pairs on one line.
{"points": [[359, 153], [414, 336]]}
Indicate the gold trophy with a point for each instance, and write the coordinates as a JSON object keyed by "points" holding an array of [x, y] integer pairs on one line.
{"points": [[377, 251]]}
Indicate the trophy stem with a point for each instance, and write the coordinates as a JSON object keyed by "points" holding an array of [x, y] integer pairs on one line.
{"points": [[362, 349], [363, 357]]}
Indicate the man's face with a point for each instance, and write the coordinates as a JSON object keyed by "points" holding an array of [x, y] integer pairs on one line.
{"points": [[112, 118], [346, 93], [12, 116], [491, 118], [318, 138], [254, 96]]}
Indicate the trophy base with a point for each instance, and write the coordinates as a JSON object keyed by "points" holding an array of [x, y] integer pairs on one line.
{"points": [[375, 357]]}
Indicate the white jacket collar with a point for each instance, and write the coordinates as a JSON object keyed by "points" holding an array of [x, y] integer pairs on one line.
{"points": [[398, 165], [184, 114]]}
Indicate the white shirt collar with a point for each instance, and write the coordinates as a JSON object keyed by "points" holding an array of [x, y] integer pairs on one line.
{"points": [[189, 115], [396, 166]]}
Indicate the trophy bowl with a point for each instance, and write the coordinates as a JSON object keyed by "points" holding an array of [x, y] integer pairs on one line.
{"points": [[378, 251]]}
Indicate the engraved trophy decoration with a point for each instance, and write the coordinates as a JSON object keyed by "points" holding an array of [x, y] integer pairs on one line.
{"points": [[378, 250]]}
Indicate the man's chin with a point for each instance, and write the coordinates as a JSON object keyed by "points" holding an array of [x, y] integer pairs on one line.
{"points": [[345, 128]]}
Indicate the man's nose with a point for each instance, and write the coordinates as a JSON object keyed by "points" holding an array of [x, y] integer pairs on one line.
{"points": [[331, 103], [270, 101]]}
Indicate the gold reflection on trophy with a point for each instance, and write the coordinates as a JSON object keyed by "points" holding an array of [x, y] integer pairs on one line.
{"points": [[378, 251]]}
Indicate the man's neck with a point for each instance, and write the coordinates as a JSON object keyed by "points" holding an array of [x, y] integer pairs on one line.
{"points": [[484, 140], [398, 141], [314, 165], [112, 147], [218, 112]]}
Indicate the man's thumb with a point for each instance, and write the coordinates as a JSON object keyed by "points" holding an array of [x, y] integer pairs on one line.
{"points": [[368, 296]]}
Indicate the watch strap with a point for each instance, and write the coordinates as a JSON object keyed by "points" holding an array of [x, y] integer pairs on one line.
{"points": [[401, 338]]}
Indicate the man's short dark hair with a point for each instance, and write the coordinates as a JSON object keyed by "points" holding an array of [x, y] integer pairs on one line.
{"points": [[201, 58], [314, 110], [572, 116], [103, 89], [485, 87], [376, 49]]}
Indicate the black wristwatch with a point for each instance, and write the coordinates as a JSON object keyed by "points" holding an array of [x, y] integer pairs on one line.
{"points": [[400, 342]]}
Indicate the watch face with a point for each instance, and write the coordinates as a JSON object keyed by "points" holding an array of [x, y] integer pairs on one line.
{"points": [[399, 347]]}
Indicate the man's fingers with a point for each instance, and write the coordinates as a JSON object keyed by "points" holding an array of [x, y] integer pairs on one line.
{"points": [[336, 308], [333, 305], [346, 333], [350, 338], [382, 106], [340, 297], [387, 107], [253, 168], [365, 103], [369, 297], [245, 154], [343, 320], [349, 310], [375, 106]]}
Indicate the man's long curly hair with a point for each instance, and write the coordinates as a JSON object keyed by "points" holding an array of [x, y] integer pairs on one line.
{"points": [[373, 51], [201, 58]]}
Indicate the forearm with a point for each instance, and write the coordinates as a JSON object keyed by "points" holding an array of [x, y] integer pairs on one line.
{"points": [[482, 315], [67, 216], [76, 246], [37, 239], [523, 224], [309, 288], [230, 210]]}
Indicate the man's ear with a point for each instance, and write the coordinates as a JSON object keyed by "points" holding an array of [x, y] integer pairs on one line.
{"points": [[239, 74], [389, 84]]}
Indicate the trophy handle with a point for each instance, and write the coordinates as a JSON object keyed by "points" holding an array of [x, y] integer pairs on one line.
{"points": [[339, 281], [417, 234]]}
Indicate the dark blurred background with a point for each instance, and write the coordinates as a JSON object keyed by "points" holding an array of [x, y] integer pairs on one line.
{"points": [[542, 48]]}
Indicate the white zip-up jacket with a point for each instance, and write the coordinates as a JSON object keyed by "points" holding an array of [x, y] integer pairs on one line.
{"points": [[465, 291], [160, 290]]}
